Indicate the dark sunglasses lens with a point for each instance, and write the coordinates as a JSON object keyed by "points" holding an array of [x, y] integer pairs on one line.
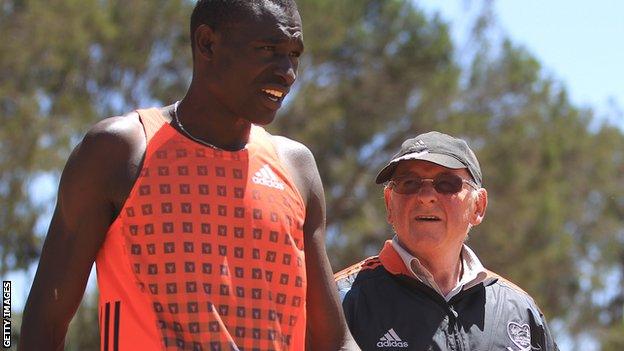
{"points": [[408, 185], [448, 184]]}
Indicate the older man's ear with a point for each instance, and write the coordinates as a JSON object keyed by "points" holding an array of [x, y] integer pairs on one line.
{"points": [[480, 206], [387, 191]]}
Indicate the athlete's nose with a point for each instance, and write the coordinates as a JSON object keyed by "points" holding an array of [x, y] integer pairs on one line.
{"points": [[286, 69]]}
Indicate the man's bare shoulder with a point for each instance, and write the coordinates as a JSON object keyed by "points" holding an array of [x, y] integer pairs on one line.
{"points": [[112, 142], [294, 152], [110, 156], [300, 162], [126, 129]]}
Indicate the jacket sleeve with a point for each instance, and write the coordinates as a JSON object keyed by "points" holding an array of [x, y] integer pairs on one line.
{"points": [[549, 342], [346, 298], [541, 334]]}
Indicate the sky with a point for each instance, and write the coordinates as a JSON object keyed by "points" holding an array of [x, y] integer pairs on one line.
{"points": [[579, 43]]}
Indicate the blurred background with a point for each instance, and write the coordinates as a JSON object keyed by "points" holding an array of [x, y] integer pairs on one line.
{"points": [[375, 72]]}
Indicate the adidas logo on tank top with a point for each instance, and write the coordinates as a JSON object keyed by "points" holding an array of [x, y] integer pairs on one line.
{"points": [[265, 176]]}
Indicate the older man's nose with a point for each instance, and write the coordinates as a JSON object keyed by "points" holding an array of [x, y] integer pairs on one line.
{"points": [[427, 193]]}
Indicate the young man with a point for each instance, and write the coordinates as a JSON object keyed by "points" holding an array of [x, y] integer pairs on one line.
{"points": [[427, 290], [207, 232]]}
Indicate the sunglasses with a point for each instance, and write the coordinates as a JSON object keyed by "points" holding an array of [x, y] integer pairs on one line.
{"points": [[445, 183]]}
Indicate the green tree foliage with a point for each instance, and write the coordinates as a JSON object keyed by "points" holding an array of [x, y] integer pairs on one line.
{"points": [[375, 72], [65, 64]]}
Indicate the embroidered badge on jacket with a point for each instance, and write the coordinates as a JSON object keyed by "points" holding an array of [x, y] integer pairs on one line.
{"points": [[520, 335]]}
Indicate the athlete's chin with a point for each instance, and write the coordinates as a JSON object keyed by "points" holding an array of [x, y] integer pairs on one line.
{"points": [[263, 119]]}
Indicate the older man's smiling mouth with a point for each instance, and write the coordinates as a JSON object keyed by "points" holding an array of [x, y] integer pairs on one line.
{"points": [[428, 218]]}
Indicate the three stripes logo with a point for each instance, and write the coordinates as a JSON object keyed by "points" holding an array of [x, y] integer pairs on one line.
{"points": [[391, 339], [265, 176], [111, 324]]}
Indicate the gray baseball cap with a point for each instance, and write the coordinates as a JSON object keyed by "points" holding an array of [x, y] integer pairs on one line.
{"points": [[436, 147]]}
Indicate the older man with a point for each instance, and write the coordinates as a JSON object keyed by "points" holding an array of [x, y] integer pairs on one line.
{"points": [[426, 290]]}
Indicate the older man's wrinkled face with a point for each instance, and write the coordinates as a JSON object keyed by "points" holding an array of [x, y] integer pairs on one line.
{"points": [[428, 221]]}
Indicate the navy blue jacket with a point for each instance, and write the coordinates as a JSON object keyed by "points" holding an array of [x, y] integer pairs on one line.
{"points": [[388, 309]]}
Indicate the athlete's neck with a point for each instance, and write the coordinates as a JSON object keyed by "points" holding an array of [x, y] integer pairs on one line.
{"points": [[212, 127]]}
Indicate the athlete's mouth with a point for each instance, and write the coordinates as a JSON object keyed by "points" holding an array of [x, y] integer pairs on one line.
{"points": [[273, 95]]}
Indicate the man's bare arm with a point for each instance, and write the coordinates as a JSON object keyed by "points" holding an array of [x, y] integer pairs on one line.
{"points": [[93, 181], [326, 323]]}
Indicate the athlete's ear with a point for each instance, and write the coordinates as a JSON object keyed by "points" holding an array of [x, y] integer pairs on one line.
{"points": [[204, 39]]}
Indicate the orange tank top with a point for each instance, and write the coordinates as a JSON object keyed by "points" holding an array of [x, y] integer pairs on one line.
{"points": [[207, 251]]}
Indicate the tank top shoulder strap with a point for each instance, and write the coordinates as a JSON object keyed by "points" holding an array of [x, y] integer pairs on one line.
{"points": [[262, 139], [152, 120]]}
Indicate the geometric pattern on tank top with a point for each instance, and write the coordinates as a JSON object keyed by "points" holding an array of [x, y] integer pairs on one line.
{"points": [[220, 256]]}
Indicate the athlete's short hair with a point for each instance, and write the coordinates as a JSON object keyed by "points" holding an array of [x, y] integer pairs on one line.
{"points": [[220, 13]]}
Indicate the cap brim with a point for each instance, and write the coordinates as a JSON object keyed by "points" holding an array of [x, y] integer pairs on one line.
{"points": [[440, 159]]}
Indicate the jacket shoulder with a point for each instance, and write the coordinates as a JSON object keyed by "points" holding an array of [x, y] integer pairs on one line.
{"points": [[513, 290], [498, 280], [513, 295], [356, 273]]}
